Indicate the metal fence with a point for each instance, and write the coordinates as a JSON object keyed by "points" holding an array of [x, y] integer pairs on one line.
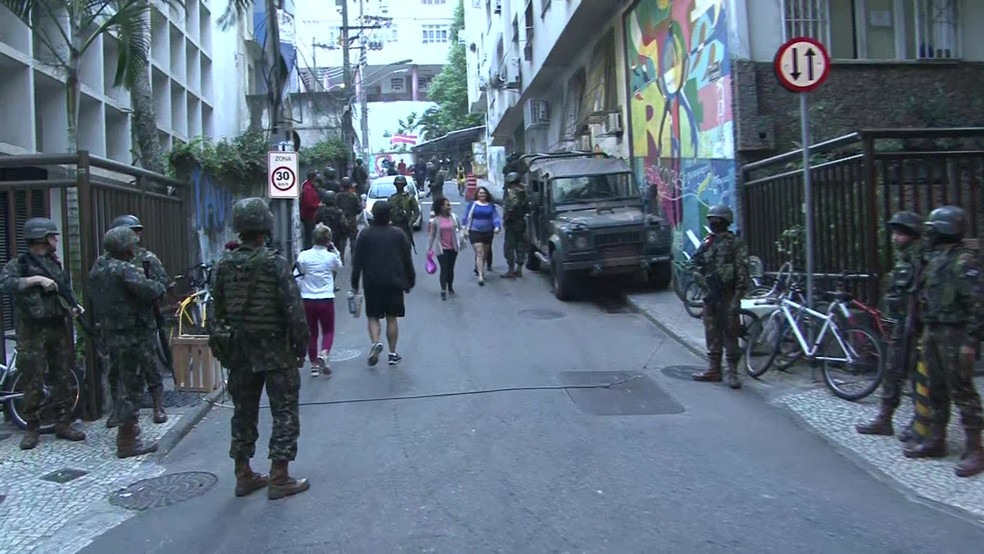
{"points": [[859, 180], [83, 194]]}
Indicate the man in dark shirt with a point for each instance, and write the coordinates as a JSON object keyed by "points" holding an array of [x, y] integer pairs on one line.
{"points": [[382, 257]]}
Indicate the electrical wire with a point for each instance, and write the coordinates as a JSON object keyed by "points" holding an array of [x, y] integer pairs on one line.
{"points": [[453, 394]]}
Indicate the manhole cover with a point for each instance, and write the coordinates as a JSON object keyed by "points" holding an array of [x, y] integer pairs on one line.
{"points": [[342, 354], [682, 372], [630, 393], [163, 491], [175, 399], [613, 305], [63, 476], [540, 314]]}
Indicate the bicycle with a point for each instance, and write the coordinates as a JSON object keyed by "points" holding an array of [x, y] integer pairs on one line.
{"points": [[191, 315], [687, 289], [12, 394], [853, 351]]}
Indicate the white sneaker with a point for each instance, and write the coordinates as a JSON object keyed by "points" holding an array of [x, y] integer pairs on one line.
{"points": [[374, 353], [323, 363]]}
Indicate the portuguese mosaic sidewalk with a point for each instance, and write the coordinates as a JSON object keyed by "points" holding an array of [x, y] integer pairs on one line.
{"points": [[808, 400]]}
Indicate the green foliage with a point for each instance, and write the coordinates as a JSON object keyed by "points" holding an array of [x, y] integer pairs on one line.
{"points": [[450, 89], [322, 153], [239, 163], [792, 246]]}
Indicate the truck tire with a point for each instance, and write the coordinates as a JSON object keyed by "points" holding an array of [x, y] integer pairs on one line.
{"points": [[660, 275], [562, 280], [532, 262]]}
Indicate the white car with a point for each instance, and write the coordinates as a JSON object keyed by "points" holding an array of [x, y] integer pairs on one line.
{"points": [[381, 189]]}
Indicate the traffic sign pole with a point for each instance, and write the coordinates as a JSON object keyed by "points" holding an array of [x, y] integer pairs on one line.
{"points": [[808, 193]]}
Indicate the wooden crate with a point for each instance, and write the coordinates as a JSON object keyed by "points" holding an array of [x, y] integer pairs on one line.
{"points": [[195, 369]]}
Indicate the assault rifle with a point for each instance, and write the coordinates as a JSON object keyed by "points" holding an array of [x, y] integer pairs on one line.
{"points": [[911, 320], [164, 346]]}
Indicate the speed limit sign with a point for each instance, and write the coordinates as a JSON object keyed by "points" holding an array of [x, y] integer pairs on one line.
{"points": [[282, 175]]}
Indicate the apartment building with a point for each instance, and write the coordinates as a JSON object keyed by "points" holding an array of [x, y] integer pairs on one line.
{"points": [[686, 89], [189, 56]]}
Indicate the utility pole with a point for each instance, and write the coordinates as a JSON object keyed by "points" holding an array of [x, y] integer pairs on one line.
{"points": [[347, 69], [364, 104], [282, 208]]}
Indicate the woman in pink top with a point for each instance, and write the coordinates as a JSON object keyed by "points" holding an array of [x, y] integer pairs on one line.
{"points": [[446, 229]]}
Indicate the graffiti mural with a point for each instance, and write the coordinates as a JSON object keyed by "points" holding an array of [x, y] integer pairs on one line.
{"points": [[679, 83]]}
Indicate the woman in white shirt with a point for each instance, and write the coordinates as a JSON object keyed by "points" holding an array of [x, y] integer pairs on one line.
{"points": [[315, 271]]}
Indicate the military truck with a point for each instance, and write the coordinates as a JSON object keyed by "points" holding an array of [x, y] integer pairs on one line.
{"points": [[587, 220]]}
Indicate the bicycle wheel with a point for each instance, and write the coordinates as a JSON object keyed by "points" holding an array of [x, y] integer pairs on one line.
{"points": [[48, 414], [746, 318], [861, 376], [761, 344]]}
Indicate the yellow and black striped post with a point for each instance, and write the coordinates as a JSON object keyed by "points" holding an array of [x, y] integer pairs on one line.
{"points": [[920, 397]]}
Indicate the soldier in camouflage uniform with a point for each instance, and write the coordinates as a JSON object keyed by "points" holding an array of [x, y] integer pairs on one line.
{"points": [[722, 264], [331, 215], [351, 206], [403, 209], [515, 208], [906, 228], [43, 337], [123, 298], [143, 258], [952, 297], [258, 330]]}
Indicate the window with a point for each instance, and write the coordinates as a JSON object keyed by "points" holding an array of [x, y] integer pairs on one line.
{"points": [[435, 34], [391, 34], [878, 29], [435, 2], [396, 83]]}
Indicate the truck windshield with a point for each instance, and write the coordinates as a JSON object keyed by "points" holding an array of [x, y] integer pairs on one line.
{"points": [[571, 190]]}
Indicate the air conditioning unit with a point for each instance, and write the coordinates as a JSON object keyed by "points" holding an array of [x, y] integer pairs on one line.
{"points": [[613, 124], [509, 74], [537, 113], [498, 6]]}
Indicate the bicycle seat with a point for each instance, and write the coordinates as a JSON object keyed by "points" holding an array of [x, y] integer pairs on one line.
{"points": [[768, 301], [839, 296], [10, 335]]}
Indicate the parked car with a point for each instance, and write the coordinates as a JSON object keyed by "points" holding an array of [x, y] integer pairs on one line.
{"points": [[587, 220], [381, 189]]}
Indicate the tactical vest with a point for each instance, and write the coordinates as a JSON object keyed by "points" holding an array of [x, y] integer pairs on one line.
{"points": [[116, 308], [34, 303], [250, 280], [399, 214], [940, 288], [901, 281], [718, 258]]}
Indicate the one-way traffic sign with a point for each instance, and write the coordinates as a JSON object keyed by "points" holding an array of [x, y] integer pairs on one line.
{"points": [[802, 64]]}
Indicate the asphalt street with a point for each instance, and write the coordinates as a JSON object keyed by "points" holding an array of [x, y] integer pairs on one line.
{"points": [[532, 470]]}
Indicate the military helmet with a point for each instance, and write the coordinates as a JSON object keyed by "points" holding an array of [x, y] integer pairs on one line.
{"points": [[907, 221], [400, 180], [723, 212], [512, 177], [329, 172], [39, 228], [948, 221], [329, 197], [252, 214], [120, 240], [128, 220], [346, 182]]}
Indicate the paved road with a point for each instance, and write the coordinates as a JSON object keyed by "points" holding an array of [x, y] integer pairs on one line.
{"points": [[530, 471]]}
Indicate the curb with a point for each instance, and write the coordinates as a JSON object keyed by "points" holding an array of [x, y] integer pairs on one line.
{"points": [[183, 427]]}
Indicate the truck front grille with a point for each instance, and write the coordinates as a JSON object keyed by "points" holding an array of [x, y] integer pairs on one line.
{"points": [[617, 238]]}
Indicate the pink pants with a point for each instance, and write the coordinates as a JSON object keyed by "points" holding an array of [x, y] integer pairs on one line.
{"points": [[321, 312]]}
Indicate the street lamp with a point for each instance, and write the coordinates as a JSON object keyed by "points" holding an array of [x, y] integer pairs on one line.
{"points": [[364, 100]]}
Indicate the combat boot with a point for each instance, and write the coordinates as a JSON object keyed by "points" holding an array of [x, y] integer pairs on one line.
{"points": [[519, 270], [972, 462], [713, 373], [934, 446], [248, 481], [64, 430], [881, 425], [905, 435], [731, 375], [127, 444], [281, 484], [510, 273], [31, 436], [158, 397], [111, 421]]}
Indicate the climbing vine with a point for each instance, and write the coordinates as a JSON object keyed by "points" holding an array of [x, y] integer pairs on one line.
{"points": [[238, 163], [325, 152]]}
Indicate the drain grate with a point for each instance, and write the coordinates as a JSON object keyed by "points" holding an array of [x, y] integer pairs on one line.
{"points": [[541, 314], [342, 354], [682, 372], [613, 304], [175, 399], [631, 393], [63, 476], [163, 491]]}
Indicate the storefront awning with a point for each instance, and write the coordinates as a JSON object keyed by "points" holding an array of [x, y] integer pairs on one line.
{"points": [[452, 142]]}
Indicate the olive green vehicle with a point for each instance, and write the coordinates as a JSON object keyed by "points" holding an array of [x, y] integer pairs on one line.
{"points": [[587, 220]]}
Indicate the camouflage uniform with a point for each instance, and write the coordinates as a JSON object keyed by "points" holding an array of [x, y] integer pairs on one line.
{"points": [[259, 331], [403, 211], [351, 206], [722, 263], [331, 215], [901, 284], [122, 300], [952, 297], [515, 208], [44, 344]]}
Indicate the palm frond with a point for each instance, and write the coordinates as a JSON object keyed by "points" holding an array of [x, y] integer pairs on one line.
{"points": [[234, 8], [129, 28], [22, 9]]}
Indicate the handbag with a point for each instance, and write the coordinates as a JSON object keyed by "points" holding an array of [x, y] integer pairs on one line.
{"points": [[431, 266]]}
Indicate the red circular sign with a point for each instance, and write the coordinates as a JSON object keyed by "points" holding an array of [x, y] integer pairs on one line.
{"points": [[283, 178], [802, 64]]}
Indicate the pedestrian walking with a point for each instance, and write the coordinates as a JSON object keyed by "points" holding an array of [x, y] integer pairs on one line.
{"points": [[44, 345], [404, 209], [445, 230], [515, 208], [482, 224], [310, 202], [722, 265], [258, 330], [382, 260], [123, 299], [360, 176], [351, 206], [951, 294], [152, 267], [906, 229], [315, 272]]}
